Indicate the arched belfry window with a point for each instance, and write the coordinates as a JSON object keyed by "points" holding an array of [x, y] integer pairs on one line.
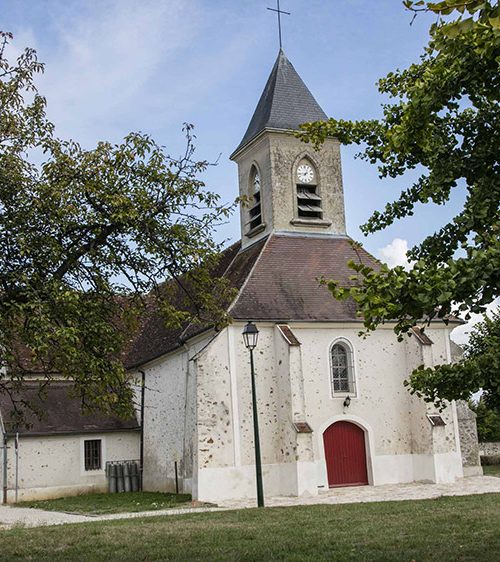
{"points": [[308, 198], [342, 368], [255, 212]]}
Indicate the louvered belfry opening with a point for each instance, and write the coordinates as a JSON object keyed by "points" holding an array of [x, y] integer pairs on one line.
{"points": [[308, 198], [255, 213]]}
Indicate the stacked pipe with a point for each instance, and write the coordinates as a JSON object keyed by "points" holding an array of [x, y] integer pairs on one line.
{"points": [[123, 476]]}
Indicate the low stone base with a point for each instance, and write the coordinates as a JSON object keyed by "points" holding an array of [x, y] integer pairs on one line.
{"points": [[470, 471]]}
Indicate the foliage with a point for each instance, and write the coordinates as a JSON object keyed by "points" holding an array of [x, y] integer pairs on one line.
{"points": [[456, 528], [479, 369], [488, 422], [444, 121], [84, 237]]}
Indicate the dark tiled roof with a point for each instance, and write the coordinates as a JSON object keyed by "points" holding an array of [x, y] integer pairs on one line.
{"points": [[155, 339], [285, 102], [60, 413], [284, 283], [277, 279]]}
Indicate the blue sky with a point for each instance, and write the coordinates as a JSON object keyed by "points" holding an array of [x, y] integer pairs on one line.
{"points": [[115, 66]]}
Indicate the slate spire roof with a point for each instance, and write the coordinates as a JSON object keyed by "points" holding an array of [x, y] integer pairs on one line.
{"points": [[285, 103]]}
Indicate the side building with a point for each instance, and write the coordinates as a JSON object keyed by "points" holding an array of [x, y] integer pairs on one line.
{"points": [[59, 451]]}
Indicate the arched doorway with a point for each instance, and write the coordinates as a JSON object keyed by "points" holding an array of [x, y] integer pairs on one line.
{"points": [[345, 454]]}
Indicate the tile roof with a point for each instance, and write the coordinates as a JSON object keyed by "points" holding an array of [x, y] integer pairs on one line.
{"points": [[284, 284], [155, 339], [277, 279], [61, 412], [285, 103]]}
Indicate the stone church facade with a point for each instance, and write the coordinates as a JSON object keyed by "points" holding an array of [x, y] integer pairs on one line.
{"points": [[332, 407]]}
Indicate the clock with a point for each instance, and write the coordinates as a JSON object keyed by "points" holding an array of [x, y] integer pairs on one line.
{"points": [[305, 173]]}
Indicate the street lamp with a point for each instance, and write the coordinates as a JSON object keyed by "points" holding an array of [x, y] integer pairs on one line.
{"points": [[250, 337]]}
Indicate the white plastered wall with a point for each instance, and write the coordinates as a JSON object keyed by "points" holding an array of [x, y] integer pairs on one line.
{"points": [[401, 445], [53, 466], [170, 419]]}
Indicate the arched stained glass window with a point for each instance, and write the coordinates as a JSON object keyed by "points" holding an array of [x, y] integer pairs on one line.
{"points": [[342, 369]]}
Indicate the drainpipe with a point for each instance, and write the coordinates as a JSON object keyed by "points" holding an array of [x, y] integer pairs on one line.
{"points": [[3, 448], [4, 456], [141, 461]]}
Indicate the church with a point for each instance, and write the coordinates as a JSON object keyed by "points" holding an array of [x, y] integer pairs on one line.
{"points": [[332, 407]]}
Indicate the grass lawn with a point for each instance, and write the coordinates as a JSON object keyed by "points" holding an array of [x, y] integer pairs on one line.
{"points": [[463, 528], [491, 470], [93, 504]]}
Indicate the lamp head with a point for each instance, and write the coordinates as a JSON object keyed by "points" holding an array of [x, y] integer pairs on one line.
{"points": [[250, 335]]}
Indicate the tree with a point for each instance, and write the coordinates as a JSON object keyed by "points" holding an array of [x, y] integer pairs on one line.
{"points": [[478, 370], [488, 422], [444, 120], [85, 235]]}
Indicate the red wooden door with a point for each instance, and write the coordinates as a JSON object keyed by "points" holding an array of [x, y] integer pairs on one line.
{"points": [[345, 455]]}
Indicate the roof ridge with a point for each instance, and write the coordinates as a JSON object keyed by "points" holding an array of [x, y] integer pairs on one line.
{"points": [[250, 273]]}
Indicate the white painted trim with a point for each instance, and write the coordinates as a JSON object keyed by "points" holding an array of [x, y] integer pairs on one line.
{"points": [[234, 396], [369, 440]]}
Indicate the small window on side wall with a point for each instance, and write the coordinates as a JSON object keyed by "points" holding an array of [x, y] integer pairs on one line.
{"points": [[342, 369], [93, 454], [255, 212]]}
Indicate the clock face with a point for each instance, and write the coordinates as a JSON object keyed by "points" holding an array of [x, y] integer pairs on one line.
{"points": [[305, 173]]}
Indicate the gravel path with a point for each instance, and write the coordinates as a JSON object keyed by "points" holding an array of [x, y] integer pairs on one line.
{"points": [[11, 516]]}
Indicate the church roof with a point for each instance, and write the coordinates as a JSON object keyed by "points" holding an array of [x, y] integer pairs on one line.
{"points": [[285, 282], [155, 339], [285, 103], [277, 279]]}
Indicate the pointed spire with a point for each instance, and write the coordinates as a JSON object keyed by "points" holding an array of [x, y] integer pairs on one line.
{"points": [[284, 104]]}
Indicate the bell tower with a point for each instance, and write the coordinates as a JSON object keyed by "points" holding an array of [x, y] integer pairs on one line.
{"points": [[285, 185]]}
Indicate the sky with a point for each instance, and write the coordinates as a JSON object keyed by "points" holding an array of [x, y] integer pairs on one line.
{"points": [[115, 66]]}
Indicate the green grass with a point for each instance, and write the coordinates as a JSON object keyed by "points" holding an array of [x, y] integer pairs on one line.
{"points": [[491, 470], [453, 528], [94, 504]]}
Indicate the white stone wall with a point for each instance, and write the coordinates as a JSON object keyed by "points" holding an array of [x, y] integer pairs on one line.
{"points": [[491, 448], [401, 444], [170, 419], [53, 466]]}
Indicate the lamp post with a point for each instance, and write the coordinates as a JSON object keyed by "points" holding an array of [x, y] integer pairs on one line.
{"points": [[250, 337]]}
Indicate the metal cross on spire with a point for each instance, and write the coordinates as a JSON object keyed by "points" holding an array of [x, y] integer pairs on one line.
{"points": [[279, 12]]}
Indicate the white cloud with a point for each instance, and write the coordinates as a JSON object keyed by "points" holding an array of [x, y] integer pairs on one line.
{"points": [[395, 253], [460, 334], [102, 57]]}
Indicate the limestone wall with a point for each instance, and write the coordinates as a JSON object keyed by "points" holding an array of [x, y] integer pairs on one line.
{"points": [[486, 449], [53, 466], [469, 444], [170, 419], [382, 406]]}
